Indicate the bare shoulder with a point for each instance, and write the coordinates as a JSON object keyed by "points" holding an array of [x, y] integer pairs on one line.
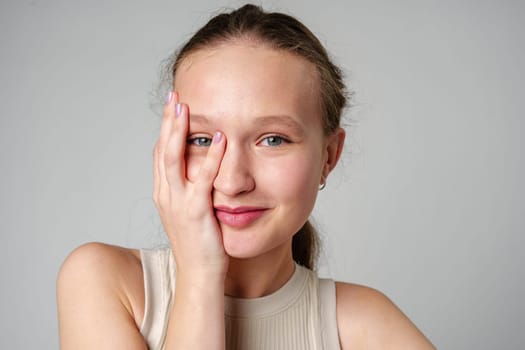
{"points": [[100, 295], [367, 319]]}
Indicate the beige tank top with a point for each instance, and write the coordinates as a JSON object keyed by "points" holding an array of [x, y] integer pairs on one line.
{"points": [[300, 315]]}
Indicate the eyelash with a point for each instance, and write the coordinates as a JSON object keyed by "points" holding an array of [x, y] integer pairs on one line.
{"points": [[196, 141], [283, 140]]}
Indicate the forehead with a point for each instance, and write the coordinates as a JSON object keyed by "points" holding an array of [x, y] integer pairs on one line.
{"points": [[243, 80]]}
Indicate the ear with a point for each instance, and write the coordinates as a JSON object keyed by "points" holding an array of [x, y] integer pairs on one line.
{"points": [[333, 149]]}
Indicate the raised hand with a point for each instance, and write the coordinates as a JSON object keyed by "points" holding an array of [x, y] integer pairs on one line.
{"points": [[185, 206]]}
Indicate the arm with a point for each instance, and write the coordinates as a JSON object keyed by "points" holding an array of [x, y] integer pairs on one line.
{"points": [[367, 319], [185, 207], [99, 292], [100, 288]]}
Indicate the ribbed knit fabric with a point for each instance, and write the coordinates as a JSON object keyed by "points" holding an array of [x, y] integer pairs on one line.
{"points": [[300, 315]]}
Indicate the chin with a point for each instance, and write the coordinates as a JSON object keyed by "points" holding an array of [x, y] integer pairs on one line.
{"points": [[240, 245], [246, 244]]}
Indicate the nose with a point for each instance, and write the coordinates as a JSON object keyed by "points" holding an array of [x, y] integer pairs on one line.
{"points": [[235, 172]]}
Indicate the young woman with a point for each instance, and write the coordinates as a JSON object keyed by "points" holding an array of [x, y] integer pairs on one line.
{"points": [[249, 135]]}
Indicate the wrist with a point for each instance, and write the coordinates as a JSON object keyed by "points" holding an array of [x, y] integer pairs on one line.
{"points": [[200, 275], [193, 289]]}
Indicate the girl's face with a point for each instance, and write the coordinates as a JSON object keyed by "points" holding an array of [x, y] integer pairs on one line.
{"points": [[266, 104]]}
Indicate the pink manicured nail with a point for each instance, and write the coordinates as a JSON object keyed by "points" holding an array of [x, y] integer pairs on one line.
{"points": [[178, 109], [217, 137], [169, 97]]}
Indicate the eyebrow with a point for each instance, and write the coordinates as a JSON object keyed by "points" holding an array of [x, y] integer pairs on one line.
{"points": [[259, 122]]}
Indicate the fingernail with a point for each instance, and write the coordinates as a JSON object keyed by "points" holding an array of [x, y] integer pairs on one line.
{"points": [[169, 97], [178, 109], [217, 137]]}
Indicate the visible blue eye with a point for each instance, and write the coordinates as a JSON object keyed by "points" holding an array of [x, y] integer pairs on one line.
{"points": [[200, 141], [273, 141]]}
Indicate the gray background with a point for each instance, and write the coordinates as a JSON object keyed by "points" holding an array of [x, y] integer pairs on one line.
{"points": [[427, 205]]}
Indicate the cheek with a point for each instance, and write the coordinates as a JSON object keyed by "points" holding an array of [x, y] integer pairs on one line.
{"points": [[291, 179]]}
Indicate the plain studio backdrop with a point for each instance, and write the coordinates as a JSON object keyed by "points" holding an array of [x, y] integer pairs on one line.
{"points": [[427, 205]]}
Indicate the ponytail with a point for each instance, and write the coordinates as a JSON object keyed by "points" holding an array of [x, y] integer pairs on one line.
{"points": [[305, 246]]}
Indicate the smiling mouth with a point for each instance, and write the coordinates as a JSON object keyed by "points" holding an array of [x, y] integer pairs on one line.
{"points": [[238, 217]]}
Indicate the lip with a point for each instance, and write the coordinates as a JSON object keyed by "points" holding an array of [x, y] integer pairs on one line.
{"points": [[238, 217]]}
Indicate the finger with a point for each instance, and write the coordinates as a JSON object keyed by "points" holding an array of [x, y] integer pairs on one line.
{"points": [[174, 158], [165, 131], [210, 166]]}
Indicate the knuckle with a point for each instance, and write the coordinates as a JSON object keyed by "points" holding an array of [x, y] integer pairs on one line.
{"points": [[197, 208], [163, 202], [210, 165], [171, 159], [203, 186]]}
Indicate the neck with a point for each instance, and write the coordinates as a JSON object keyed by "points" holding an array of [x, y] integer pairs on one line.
{"points": [[259, 276]]}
